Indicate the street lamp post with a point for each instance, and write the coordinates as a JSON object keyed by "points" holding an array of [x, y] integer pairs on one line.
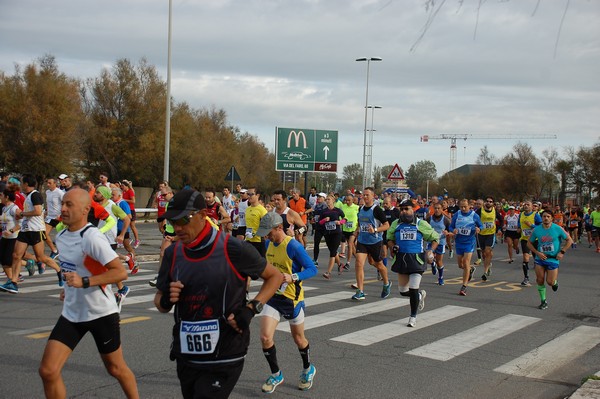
{"points": [[369, 164], [364, 181]]}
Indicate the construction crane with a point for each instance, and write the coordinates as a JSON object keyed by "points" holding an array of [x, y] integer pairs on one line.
{"points": [[453, 137]]}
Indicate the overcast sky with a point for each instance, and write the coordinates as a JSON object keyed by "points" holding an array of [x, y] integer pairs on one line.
{"points": [[495, 69]]}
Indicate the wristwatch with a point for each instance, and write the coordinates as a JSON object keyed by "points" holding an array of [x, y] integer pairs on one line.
{"points": [[86, 282], [295, 277], [256, 307]]}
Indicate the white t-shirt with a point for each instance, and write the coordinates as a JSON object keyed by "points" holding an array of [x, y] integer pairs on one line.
{"points": [[33, 223], [8, 220], [242, 206], [87, 256], [53, 203]]}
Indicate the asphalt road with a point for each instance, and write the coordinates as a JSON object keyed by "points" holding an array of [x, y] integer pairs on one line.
{"points": [[494, 343]]}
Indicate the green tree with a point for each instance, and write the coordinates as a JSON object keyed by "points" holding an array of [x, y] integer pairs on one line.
{"points": [[40, 112], [419, 173], [352, 176], [520, 169]]}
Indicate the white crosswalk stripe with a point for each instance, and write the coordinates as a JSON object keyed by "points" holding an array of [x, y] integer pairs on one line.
{"points": [[379, 333], [348, 313], [458, 344], [543, 360]]}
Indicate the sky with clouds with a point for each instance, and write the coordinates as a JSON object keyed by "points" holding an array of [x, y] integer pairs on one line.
{"points": [[476, 67]]}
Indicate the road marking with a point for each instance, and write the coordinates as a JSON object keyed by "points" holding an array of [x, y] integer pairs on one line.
{"points": [[343, 314], [39, 335], [135, 319], [379, 333], [554, 354], [31, 330], [463, 342], [54, 286]]}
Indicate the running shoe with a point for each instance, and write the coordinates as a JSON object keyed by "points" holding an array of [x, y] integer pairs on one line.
{"points": [[525, 282], [9, 286], [272, 382], [422, 296], [412, 321], [471, 272], [306, 378], [327, 275], [347, 266], [152, 282], [136, 243], [316, 262], [124, 291], [484, 277], [340, 268], [510, 261], [433, 268], [451, 254], [30, 266], [387, 289], [136, 268], [342, 255], [543, 305], [489, 272], [54, 255], [440, 281], [478, 262], [354, 285], [463, 291], [555, 286], [517, 249], [41, 268], [21, 279], [359, 296], [130, 259]]}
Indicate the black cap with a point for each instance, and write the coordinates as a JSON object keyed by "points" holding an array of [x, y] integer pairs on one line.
{"points": [[406, 202], [182, 204]]}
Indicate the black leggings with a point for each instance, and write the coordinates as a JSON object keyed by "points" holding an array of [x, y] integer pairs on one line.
{"points": [[317, 242], [333, 241]]}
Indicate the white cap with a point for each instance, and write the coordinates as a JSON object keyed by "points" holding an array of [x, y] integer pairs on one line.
{"points": [[63, 176], [322, 195]]}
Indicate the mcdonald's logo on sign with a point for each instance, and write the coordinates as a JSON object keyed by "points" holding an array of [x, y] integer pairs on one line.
{"points": [[306, 150], [297, 136]]}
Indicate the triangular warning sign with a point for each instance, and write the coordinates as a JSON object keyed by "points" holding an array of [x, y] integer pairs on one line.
{"points": [[396, 173]]}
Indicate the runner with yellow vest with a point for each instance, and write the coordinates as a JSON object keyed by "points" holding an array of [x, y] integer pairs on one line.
{"points": [[487, 235], [528, 219]]}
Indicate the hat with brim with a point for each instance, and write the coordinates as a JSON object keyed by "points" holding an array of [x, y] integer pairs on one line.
{"points": [[267, 223], [322, 195], [182, 204]]}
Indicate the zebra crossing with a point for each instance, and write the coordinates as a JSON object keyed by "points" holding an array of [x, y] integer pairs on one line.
{"points": [[538, 362]]}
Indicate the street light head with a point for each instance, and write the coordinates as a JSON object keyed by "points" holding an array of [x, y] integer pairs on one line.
{"points": [[376, 59], [362, 59]]}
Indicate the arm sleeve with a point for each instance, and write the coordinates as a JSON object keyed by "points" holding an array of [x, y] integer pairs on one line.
{"points": [[379, 214], [110, 223], [390, 232], [303, 264], [118, 212]]}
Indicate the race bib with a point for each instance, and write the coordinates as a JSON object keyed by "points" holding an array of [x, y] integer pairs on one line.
{"points": [[242, 218], [199, 337], [349, 225], [330, 226], [408, 235], [547, 247], [488, 225], [573, 223], [249, 232], [464, 231], [67, 267], [364, 228], [511, 226], [527, 232]]}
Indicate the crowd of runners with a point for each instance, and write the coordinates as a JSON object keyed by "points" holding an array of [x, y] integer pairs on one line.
{"points": [[245, 235]]}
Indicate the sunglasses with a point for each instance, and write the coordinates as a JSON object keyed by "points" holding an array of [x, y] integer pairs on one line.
{"points": [[405, 208], [251, 194], [181, 221]]}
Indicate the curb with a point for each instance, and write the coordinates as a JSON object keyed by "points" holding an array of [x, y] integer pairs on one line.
{"points": [[589, 390]]}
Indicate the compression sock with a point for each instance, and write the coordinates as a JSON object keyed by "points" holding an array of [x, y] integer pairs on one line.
{"points": [[526, 269], [271, 356], [414, 301], [385, 260], [440, 272], [542, 291], [305, 354]]}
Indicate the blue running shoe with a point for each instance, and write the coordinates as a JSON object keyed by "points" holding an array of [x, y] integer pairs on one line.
{"points": [[433, 268], [272, 382], [41, 268], [387, 289], [54, 255], [306, 378], [440, 281], [124, 291], [30, 266], [359, 296], [9, 286]]}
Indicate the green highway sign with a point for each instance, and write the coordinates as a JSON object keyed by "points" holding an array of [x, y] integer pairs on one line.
{"points": [[306, 150]]}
